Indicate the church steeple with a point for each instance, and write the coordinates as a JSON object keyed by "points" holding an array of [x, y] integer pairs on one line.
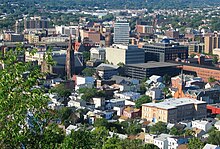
{"points": [[79, 36], [70, 60]]}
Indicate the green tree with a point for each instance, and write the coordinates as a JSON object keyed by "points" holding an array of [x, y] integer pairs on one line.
{"points": [[88, 71], [64, 113], [112, 143], [211, 79], [80, 139], [131, 127], [215, 60], [214, 137], [189, 132], [150, 146], [101, 135], [24, 118], [166, 79], [195, 143], [89, 93], [218, 116], [101, 122], [121, 64], [142, 100], [158, 128], [86, 55], [61, 90], [167, 92], [174, 131]]}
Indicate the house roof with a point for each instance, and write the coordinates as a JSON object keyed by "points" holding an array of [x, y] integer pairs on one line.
{"points": [[131, 109], [153, 65], [197, 131], [182, 146], [107, 67], [172, 103], [211, 146]]}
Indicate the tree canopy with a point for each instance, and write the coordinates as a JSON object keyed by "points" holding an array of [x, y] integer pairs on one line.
{"points": [[143, 99]]}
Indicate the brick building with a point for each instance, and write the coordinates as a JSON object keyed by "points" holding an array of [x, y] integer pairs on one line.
{"points": [[205, 72], [174, 110], [172, 34], [93, 36]]}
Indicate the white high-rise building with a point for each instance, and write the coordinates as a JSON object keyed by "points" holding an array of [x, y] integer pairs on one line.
{"points": [[121, 33]]}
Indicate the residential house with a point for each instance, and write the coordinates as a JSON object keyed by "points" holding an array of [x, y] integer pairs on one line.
{"points": [[110, 104], [99, 102], [107, 114], [154, 93], [84, 82], [215, 84], [128, 95], [119, 110], [149, 138], [56, 101], [77, 103], [202, 124], [131, 112], [161, 141], [156, 78], [174, 142], [198, 132], [126, 84], [210, 95]]}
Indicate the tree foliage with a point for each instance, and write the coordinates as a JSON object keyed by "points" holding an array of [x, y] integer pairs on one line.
{"points": [[214, 137], [195, 143], [211, 79], [88, 71], [158, 128], [24, 118], [89, 93], [62, 91], [142, 100]]}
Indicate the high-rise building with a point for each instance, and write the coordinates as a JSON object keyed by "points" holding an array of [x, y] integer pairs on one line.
{"points": [[36, 23], [145, 29], [167, 50], [70, 61], [172, 34], [126, 54], [66, 30], [212, 41], [121, 33]]}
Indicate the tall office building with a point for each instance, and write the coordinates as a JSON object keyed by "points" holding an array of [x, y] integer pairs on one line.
{"points": [[166, 50], [127, 54], [211, 42], [36, 23], [121, 33]]}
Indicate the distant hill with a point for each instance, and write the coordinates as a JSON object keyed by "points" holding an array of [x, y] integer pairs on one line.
{"points": [[120, 4], [182, 3], [136, 3]]}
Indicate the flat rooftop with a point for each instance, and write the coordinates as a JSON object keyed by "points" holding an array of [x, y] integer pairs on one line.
{"points": [[153, 65], [172, 103]]}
